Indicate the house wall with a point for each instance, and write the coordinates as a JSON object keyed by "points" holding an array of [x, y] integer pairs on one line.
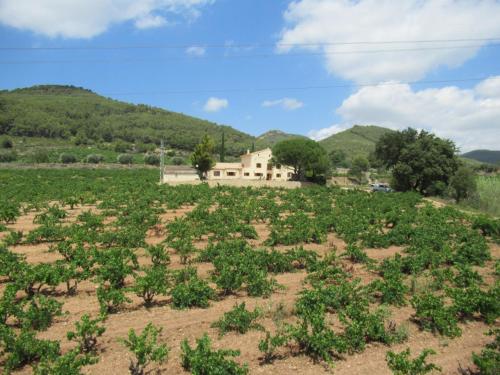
{"points": [[180, 177]]}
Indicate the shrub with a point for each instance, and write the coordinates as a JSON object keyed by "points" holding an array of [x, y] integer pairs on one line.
{"points": [[151, 159], [7, 156], [40, 313], [432, 315], [110, 299], [67, 158], [177, 160], [158, 255], [488, 361], [269, 345], [6, 142], [9, 211], [125, 159], [401, 364], [94, 159], [67, 364], [239, 319], [40, 155], [154, 281], [86, 333], [356, 255], [192, 293], [202, 360], [24, 348], [121, 147], [145, 348]]}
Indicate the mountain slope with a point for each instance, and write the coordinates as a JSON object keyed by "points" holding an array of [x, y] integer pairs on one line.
{"points": [[356, 141], [270, 138], [484, 156], [68, 112]]}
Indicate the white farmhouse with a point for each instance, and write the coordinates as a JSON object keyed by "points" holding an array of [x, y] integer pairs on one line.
{"points": [[253, 166]]}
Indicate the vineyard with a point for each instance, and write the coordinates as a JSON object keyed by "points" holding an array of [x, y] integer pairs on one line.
{"points": [[104, 271]]}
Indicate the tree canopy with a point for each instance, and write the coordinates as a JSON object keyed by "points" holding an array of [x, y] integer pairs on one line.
{"points": [[305, 156], [419, 160], [202, 158]]}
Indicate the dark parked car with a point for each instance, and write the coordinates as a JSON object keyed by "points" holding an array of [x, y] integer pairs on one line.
{"points": [[381, 187]]}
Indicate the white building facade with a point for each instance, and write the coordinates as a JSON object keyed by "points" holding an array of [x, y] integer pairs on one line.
{"points": [[254, 166]]}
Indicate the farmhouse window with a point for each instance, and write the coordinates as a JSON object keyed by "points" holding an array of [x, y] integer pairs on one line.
{"points": [[259, 165], [216, 173], [231, 174], [278, 175]]}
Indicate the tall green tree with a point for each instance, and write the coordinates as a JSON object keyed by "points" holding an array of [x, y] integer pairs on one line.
{"points": [[305, 156], [202, 158], [462, 184], [222, 149], [359, 166], [419, 161]]}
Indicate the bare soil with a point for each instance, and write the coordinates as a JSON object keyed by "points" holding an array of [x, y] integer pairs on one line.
{"points": [[191, 324]]}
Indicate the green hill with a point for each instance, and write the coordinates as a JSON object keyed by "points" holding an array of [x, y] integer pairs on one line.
{"points": [[356, 141], [270, 138], [79, 115], [484, 156]]}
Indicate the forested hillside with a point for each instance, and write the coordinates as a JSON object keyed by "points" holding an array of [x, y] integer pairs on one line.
{"points": [[484, 156], [356, 141], [67, 112]]}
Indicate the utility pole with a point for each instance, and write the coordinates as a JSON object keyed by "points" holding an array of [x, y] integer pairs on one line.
{"points": [[162, 162]]}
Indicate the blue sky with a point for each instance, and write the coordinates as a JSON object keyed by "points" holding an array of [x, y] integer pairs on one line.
{"points": [[247, 55]]}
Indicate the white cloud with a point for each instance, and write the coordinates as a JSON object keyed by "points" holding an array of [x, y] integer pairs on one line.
{"points": [[289, 104], [470, 117], [327, 21], [215, 104], [196, 51], [88, 18], [489, 87], [150, 21]]}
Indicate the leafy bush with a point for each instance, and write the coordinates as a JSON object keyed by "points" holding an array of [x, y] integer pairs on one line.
{"points": [[269, 344], [40, 313], [488, 361], [432, 315], [239, 319], [151, 159], [94, 159], [202, 360], [145, 348], [125, 159], [86, 333], [24, 348], [67, 364], [177, 160], [154, 281], [356, 255], [6, 142], [9, 211], [158, 255], [67, 158], [40, 155], [8, 156], [401, 364], [110, 299], [192, 293]]}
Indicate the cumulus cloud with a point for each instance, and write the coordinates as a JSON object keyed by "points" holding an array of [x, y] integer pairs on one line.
{"points": [[470, 117], [289, 104], [150, 21], [196, 51], [215, 104], [88, 18], [327, 21]]}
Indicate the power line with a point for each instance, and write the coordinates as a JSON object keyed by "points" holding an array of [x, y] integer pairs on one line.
{"points": [[264, 89], [229, 57], [245, 45]]}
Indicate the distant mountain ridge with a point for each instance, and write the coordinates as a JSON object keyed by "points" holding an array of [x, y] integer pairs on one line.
{"points": [[484, 156], [271, 137], [68, 112], [358, 141]]}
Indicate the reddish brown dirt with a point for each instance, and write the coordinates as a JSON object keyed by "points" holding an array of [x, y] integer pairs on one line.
{"points": [[191, 324]]}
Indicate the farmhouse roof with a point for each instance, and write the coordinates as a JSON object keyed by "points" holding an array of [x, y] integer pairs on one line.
{"points": [[227, 166], [179, 169]]}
